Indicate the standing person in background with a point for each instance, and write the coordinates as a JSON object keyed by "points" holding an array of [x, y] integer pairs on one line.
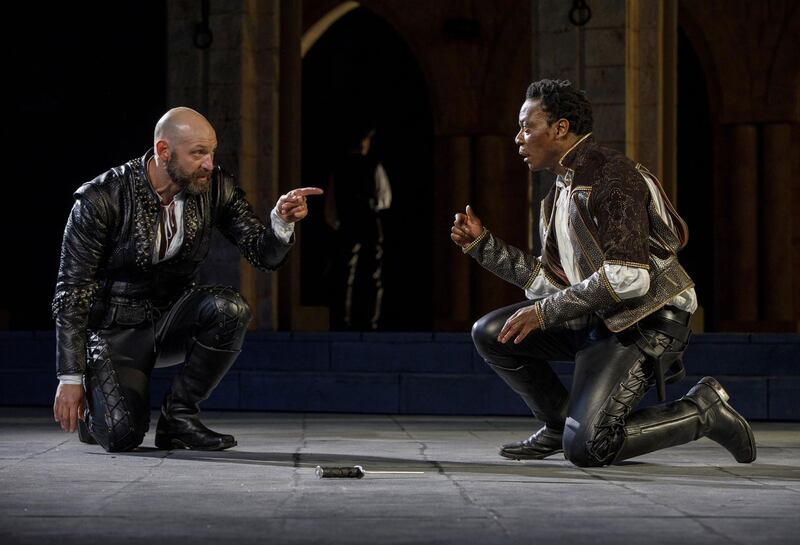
{"points": [[358, 192]]}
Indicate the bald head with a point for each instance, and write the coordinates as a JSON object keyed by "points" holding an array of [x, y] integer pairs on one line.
{"points": [[181, 124], [184, 144]]}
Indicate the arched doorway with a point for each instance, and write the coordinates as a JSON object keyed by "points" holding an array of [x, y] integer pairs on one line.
{"points": [[360, 71], [696, 174]]}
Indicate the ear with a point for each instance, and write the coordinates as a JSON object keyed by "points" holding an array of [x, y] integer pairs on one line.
{"points": [[162, 150], [562, 128]]}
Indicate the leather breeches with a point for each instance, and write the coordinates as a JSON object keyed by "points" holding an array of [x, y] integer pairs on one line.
{"points": [[613, 372], [121, 358]]}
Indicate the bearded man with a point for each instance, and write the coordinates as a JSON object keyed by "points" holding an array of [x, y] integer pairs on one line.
{"points": [[126, 298]]}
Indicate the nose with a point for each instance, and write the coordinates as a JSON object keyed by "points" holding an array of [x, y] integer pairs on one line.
{"points": [[208, 162], [518, 139]]}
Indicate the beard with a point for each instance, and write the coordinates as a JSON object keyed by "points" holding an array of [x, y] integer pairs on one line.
{"points": [[193, 182]]}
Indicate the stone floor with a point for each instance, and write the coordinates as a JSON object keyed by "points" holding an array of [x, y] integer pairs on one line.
{"points": [[57, 490]]}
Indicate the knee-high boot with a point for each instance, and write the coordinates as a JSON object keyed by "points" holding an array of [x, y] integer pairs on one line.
{"points": [[547, 399], [703, 412], [179, 425], [117, 416]]}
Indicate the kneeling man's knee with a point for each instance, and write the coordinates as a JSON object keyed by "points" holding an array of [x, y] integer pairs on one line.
{"points": [[484, 335], [589, 446]]}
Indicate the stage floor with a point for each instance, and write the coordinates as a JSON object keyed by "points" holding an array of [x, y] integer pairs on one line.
{"points": [[55, 489]]}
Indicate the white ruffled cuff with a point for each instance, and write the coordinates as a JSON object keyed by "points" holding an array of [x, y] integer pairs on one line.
{"points": [[282, 229]]}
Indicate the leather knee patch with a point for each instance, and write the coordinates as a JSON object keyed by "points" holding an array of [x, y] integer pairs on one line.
{"points": [[224, 317]]}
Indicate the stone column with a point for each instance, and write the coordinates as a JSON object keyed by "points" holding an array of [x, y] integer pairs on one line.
{"points": [[258, 162], [781, 246], [232, 82], [737, 237], [591, 56], [453, 271], [501, 187], [650, 88], [286, 286]]}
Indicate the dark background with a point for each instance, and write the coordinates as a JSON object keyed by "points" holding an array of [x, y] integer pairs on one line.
{"points": [[84, 84], [87, 82], [695, 173]]}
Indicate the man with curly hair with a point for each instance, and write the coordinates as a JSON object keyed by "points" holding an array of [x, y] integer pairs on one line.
{"points": [[607, 293], [126, 299]]}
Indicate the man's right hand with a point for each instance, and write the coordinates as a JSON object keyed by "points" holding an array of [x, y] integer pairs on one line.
{"points": [[466, 228], [68, 406]]}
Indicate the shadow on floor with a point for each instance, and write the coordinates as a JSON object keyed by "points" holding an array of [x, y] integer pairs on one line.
{"points": [[554, 468]]}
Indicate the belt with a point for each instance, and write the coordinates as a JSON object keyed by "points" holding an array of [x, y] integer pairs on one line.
{"points": [[672, 322]]}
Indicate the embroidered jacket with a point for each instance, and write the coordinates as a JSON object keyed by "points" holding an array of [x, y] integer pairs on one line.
{"points": [[612, 221], [106, 273]]}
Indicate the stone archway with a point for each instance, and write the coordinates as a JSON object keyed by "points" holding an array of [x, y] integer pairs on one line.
{"points": [[360, 70]]}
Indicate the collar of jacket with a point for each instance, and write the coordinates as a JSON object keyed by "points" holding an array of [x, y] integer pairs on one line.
{"points": [[143, 177], [570, 157]]}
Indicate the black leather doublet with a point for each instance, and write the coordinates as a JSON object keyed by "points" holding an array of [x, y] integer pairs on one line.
{"points": [[106, 275]]}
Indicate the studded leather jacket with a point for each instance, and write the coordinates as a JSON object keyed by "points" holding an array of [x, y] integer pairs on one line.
{"points": [[612, 220], [107, 276]]}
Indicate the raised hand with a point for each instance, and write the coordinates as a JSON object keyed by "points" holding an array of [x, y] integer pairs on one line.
{"points": [[292, 206], [466, 228]]}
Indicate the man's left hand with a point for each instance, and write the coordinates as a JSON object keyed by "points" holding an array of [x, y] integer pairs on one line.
{"points": [[519, 325], [292, 206]]}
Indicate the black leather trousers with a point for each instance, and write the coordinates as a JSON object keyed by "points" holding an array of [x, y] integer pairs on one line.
{"points": [[122, 356], [612, 374]]}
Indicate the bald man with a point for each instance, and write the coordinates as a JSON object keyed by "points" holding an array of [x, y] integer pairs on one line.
{"points": [[126, 299]]}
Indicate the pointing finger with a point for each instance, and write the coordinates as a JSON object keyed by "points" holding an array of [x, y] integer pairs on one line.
{"points": [[303, 191]]}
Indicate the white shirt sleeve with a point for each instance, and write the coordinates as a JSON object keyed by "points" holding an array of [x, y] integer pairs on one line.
{"points": [[283, 229], [541, 287], [383, 189], [70, 379], [686, 300], [627, 282], [630, 282]]}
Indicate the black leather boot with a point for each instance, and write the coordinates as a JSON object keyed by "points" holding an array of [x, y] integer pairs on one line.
{"points": [[547, 399], [83, 427], [703, 412], [83, 431], [179, 426], [538, 446]]}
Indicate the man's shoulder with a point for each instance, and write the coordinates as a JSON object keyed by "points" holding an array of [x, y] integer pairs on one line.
{"points": [[110, 182], [223, 184], [602, 163], [224, 190], [222, 176]]}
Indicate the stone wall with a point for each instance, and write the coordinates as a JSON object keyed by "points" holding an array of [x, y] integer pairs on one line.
{"points": [[234, 82], [592, 57]]}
